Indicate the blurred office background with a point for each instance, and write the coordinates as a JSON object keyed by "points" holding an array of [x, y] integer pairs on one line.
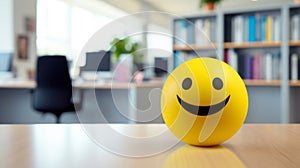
{"points": [[64, 26], [33, 28]]}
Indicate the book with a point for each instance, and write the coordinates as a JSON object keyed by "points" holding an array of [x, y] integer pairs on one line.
{"points": [[248, 67], [190, 33], [179, 58], [246, 29], [256, 67], [199, 36], [294, 27], [269, 26], [263, 68], [233, 24], [241, 68], [252, 28], [276, 66], [226, 57], [239, 33], [206, 30], [263, 28], [176, 59], [228, 28], [257, 19], [213, 32], [232, 59], [277, 29], [180, 32], [268, 71], [294, 66]]}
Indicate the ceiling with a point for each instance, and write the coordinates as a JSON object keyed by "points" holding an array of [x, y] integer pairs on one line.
{"points": [[186, 7]]}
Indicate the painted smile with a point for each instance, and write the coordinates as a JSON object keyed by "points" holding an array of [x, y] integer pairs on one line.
{"points": [[203, 110]]}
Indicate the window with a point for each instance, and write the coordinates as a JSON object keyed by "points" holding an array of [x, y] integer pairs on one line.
{"points": [[63, 28]]}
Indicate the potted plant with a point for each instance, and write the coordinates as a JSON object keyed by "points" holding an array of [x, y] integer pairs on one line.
{"points": [[209, 5], [125, 46], [125, 54]]}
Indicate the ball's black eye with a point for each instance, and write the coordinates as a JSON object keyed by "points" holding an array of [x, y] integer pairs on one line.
{"points": [[186, 83], [217, 83]]}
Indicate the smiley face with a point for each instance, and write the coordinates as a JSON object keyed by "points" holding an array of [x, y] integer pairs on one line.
{"points": [[202, 110], [204, 102]]}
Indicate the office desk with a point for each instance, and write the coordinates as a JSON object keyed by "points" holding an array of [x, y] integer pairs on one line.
{"points": [[26, 84], [16, 84], [256, 145], [122, 100]]}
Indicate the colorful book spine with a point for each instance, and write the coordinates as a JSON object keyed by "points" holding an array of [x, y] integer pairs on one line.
{"points": [[226, 56], [176, 59], [248, 67], [269, 29], [252, 28], [263, 28], [256, 66]]}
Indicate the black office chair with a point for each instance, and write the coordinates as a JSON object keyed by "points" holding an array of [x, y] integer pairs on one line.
{"points": [[53, 93]]}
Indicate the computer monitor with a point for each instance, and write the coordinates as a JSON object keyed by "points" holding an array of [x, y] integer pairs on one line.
{"points": [[160, 66], [5, 62], [97, 61]]}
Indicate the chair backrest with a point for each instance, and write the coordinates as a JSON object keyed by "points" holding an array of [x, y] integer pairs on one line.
{"points": [[54, 86], [53, 72]]}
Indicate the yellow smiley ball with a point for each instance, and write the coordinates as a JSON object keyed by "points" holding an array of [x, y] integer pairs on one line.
{"points": [[204, 102]]}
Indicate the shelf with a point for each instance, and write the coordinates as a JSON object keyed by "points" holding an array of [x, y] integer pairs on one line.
{"points": [[249, 82], [295, 83], [192, 47], [252, 82], [231, 45], [293, 43], [256, 82], [251, 45]]}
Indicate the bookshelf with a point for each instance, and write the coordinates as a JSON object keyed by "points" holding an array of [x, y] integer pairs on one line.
{"points": [[194, 37], [263, 36]]}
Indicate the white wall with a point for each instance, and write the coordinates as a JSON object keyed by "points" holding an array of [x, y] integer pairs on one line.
{"points": [[6, 26]]}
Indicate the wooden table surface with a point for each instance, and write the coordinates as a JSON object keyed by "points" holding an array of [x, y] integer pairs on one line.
{"points": [[53, 146]]}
